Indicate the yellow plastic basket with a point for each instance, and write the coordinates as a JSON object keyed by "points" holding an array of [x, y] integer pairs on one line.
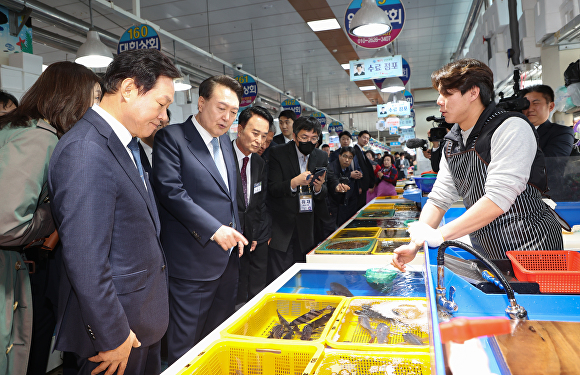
{"points": [[358, 233], [383, 197], [346, 333], [259, 321], [338, 362], [370, 245], [399, 189], [394, 233], [385, 246], [227, 356], [406, 207], [380, 206]]}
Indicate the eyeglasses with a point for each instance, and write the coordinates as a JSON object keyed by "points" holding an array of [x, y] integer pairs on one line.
{"points": [[305, 138], [344, 156]]}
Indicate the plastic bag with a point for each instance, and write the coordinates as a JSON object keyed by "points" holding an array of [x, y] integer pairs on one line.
{"points": [[574, 93], [572, 73], [562, 100]]}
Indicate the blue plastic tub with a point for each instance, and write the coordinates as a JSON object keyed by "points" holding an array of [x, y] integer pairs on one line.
{"points": [[425, 183], [570, 211]]}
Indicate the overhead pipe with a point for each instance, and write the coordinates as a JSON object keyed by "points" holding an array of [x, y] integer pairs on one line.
{"points": [[469, 25], [55, 41]]}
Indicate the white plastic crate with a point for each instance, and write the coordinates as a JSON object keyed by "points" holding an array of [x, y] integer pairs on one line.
{"points": [[547, 18]]}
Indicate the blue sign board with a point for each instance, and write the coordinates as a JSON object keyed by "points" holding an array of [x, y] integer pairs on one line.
{"points": [[250, 90], [320, 117], [139, 37], [395, 143], [406, 72], [409, 98], [293, 105], [335, 126]]}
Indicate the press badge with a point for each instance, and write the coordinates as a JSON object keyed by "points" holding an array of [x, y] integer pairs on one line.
{"points": [[305, 199], [257, 187]]}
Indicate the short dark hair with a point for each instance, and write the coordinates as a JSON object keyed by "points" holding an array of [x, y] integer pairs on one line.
{"points": [[61, 95], [207, 86], [145, 66], [256, 110], [370, 152], [344, 132], [5, 98], [396, 153], [308, 124], [324, 145], [363, 132], [545, 90], [342, 150], [288, 113], [390, 157], [463, 75]]}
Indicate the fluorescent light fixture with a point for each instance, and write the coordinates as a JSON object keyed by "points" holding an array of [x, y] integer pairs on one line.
{"points": [[345, 66], [370, 20], [182, 84], [323, 25], [393, 84], [365, 88], [406, 126]]}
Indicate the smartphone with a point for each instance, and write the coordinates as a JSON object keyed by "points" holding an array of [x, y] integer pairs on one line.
{"points": [[319, 171], [344, 180]]}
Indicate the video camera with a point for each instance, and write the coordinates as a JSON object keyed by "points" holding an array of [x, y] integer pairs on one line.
{"points": [[516, 102], [438, 132]]}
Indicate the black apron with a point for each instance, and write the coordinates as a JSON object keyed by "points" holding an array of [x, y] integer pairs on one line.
{"points": [[528, 224]]}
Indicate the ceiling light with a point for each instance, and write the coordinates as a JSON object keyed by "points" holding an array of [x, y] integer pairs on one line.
{"points": [[323, 25], [393, 84], [345, 66], [93, 53], [365, 88], [370, 20], [44, 67], [182, 84]]}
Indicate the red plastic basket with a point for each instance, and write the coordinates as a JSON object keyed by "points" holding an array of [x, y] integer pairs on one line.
{"points": [[555, 271]]}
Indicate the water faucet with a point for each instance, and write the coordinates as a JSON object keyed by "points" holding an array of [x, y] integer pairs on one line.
{"points": [[514, 311]]}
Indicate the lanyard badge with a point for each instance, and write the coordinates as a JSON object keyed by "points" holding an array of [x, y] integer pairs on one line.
{"points": [[305, 200]]}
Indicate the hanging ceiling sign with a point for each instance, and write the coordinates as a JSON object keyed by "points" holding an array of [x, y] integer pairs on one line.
{"points": [[335, 126], [381, 67], [394, 10], [293, 105], [320, 117], [406, 123], [250, 90], [400, 108], [406, 72], [139, 37], [409, 98]]}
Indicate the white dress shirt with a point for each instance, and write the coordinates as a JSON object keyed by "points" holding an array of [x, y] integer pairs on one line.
{"points": [[207, 138], [240, 156], [148, 151]]}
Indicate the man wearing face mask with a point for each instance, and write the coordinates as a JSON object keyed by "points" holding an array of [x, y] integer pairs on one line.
{"points": [[298, 195]]}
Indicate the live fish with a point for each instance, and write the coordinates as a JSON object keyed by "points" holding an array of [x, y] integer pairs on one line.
{"points": [[337, 289], [321, 321], [383, 331], [310, 316], [283, 321], [367, 311], [363, 321], [411, 338], [289, 334], [306, 332], [276, 332]]}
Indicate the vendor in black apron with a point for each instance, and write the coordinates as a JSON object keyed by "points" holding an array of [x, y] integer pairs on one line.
{"points": [[491, 159]]}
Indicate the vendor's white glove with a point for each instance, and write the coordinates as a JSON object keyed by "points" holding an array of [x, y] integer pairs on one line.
{"points": [[421, 232]]}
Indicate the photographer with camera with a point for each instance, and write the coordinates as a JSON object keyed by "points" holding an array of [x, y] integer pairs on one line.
{"points": [[435, 136], [492, 160], [342, 206]]}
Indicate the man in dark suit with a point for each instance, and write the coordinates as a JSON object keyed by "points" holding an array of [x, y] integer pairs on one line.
{"points": [[146, 146], [194, 176], [113, 292], [253, 125], [367, 181], [555, 140], [286, 121], [296, 200]]}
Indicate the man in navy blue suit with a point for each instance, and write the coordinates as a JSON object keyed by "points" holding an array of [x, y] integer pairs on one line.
{"points": [[194, 176], [113, 292]]}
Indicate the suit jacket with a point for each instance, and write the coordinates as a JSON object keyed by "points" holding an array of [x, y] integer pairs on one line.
{"points": [[279, 139], [555, 140], [251, 216], [283, 167], [114, 276], [368, 179], [194, 201]]}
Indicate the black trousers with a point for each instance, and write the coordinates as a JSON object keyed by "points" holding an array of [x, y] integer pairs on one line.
{"points": [[253, 272], [280, 261], [142, 361], [197, 307]]}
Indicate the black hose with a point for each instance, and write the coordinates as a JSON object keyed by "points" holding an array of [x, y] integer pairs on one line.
{"points": [[496, 271]]}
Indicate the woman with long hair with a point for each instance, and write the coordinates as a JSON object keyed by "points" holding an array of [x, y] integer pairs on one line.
{"points": [[28, 135]]}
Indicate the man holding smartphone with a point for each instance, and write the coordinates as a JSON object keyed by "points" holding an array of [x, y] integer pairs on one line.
{"points": [[298, 192]]}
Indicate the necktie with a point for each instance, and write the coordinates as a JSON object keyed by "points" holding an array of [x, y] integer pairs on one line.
{"points": [[219, 161], [245, 180], [134, 147]]}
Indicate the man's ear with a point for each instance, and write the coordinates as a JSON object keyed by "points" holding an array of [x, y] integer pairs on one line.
{"points": [[127, 87], [551, 106]]}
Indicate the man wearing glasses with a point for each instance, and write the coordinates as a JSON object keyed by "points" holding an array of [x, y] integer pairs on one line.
{"points": [[297, 184]]}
